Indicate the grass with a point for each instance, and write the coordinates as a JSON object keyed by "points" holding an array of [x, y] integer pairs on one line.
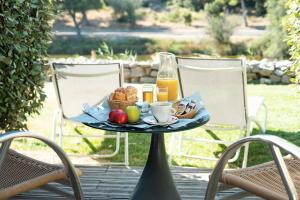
{"points": [[284, 110]]}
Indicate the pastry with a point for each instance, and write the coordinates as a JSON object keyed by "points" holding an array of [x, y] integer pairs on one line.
{"points": [[130, 97], [122, 90], [131, 90], [120, 96]]}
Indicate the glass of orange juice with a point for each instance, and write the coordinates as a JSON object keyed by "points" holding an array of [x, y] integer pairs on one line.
{"points": [[162, 93], [148, 93]]}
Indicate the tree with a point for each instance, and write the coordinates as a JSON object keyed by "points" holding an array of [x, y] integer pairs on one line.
{"points": [[276, 34], [244, 12], [125, 10], [25, 34], [292, 26], [75, 6]]}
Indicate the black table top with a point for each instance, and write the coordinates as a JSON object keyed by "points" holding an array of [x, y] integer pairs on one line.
{"points": [[157, 129]]}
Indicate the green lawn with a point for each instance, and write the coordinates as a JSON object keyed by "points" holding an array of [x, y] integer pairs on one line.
{"points": [[284, 120]]}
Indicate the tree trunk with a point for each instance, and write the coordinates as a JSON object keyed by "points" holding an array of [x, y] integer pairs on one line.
{"points": [[84, 20], [244, 12], [73, 15]]}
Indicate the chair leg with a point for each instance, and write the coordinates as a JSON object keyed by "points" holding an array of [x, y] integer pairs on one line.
{"points": [[180, 144], [266, 118], [126, 150], [60, 130], [248, 133], [171, 146]]}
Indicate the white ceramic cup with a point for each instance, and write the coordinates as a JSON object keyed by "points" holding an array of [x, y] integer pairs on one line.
{"points": [[162, 111]]}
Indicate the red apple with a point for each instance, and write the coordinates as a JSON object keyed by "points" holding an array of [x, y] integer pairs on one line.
{"points": [[113, 114], [121, 118]]}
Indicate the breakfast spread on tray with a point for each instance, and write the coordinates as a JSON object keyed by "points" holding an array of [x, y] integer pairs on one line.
{"points": [[125, 109]]}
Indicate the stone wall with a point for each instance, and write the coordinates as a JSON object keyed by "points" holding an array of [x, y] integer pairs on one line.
{"points": [[264, 71], [268, 72]]}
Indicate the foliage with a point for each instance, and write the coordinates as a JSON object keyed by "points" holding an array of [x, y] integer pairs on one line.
{"points": [[25, 32], [71, 45], [292, 25], [260, 9], [75, 6], [125, 10], [191, 4], [106, 52], [276, 35], [220, 29], [258, 46], [187, 16]]}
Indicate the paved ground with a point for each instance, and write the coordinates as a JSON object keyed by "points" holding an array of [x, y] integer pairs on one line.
{"points": [[107, 182], [176, 34]]}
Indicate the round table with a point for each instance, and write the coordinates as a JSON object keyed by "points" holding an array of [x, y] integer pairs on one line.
{"points": [[156, 182]]}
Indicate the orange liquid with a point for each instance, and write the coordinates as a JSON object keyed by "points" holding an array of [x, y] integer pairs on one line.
{"points": [[162, 96], [172, 85], [148, 96]]}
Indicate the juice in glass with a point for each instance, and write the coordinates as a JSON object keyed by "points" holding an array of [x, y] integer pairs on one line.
{"points": [[172, 85], [162, 94], [148, 93]]}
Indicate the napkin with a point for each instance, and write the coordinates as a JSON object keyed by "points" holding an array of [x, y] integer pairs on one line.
{"points": [[93, 114]]}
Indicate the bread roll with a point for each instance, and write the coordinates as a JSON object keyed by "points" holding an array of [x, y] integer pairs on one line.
{"points": [[131, 90], [119, 96]]}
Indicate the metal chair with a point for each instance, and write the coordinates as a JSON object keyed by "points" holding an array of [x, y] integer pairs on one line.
{"points": [[19, 173], [76, 84], [276, 180], [221, 84]]}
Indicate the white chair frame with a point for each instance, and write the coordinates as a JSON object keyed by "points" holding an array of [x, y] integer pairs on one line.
{"points": [[248, 126], [59, 119]]}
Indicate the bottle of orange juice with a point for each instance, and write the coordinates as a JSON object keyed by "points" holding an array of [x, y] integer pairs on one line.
{"points": [[167, 75]]}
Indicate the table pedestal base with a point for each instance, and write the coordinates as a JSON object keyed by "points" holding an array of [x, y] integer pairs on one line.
{"points": [[156, 182]]}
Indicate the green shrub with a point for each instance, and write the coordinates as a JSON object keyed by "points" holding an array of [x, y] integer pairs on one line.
{"points": [[258, 46], [124, 10], [187, 16], [292, 25], [84, 46], [25, 32], [276, 44], [106, 52], [174, 14], [220, 29]]}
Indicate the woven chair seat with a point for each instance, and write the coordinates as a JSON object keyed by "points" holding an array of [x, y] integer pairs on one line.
{"points": [[20, 173], [264, 180]]}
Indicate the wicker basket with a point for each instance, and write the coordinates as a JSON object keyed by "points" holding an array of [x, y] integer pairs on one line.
{"points": [[116, 104], [188, 115]]}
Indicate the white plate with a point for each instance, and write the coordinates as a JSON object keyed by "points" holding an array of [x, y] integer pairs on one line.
{"points": [[151, 120]]}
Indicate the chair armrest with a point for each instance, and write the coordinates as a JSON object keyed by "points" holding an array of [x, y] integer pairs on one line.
{"points": [[74, 179], [272, 141]]}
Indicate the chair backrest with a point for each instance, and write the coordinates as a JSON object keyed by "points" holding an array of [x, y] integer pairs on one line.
{"points": [[221, 84], [76, 84]]}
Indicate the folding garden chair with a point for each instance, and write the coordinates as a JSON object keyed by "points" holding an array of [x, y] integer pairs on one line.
{"points": [[221, 84], [276, 180], [77, 84], [19, 173]]}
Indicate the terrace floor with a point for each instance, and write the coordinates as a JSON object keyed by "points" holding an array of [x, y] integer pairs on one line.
{"points": [[115, 182]]}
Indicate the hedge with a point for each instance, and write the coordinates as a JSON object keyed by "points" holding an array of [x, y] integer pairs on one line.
{"points": [[25, 33]]}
